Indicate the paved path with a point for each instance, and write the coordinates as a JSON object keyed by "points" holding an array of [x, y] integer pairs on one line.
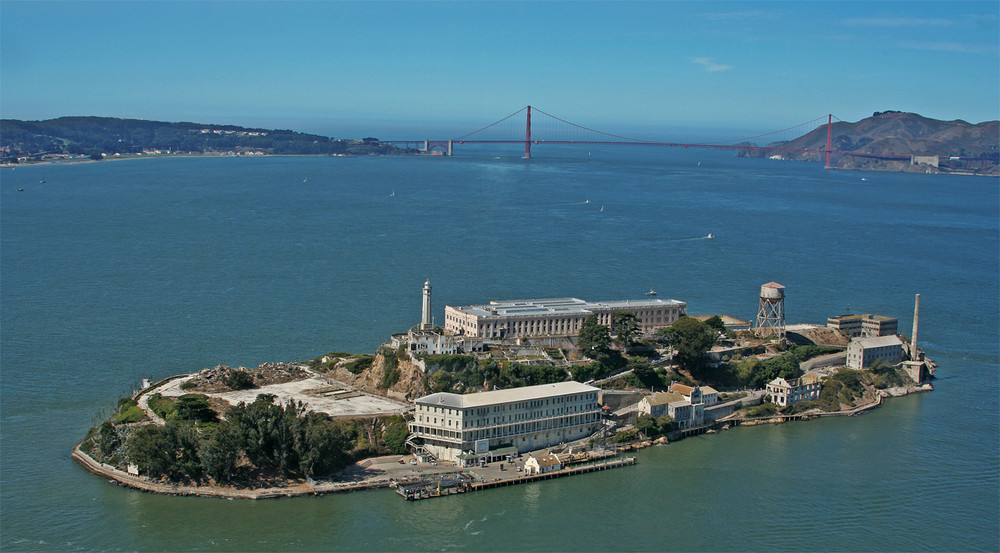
{"points": [[828, 360], [143, 402]]}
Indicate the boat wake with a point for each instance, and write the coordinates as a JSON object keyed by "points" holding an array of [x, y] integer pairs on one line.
{"points": [[708, 237]]}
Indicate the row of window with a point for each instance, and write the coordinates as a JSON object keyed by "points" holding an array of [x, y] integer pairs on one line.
{"points": [[506, 430]]}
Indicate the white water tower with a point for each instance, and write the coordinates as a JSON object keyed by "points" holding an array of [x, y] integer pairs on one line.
{"points": [[771, 311]]}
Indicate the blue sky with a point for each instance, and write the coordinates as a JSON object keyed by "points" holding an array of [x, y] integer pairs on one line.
{"points": [[346, 68]]}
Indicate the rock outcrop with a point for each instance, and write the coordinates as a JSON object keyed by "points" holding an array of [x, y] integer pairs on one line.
{"points": [[408, 383]]}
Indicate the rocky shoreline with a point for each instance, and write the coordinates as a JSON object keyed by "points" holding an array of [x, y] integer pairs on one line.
{"points": [[348, 480]]}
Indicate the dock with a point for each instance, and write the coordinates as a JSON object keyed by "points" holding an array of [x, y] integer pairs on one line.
{"points": [[465, 482]]}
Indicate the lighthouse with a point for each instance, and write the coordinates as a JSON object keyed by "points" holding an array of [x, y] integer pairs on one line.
{"points": [[426, 321]]}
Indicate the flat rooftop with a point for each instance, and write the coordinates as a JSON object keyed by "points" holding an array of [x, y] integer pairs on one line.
{"points": [[556, 306], [496, 397]]}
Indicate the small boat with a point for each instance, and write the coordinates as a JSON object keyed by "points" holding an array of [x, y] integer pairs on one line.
{"points": [[305, 179], [587, 202], [393, 194], [41, 181], [710, 235], [20, 190], [651, 292], [602, 209]]}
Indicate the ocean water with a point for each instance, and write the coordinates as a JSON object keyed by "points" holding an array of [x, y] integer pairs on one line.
{"points": [[116, 271]]}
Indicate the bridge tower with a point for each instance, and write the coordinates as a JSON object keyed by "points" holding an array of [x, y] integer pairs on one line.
{"points": [[829, 133], [771, 311], [527, 136]]}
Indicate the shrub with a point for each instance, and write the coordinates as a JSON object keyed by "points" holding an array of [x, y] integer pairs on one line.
{"points": [[162, 406], [887, 376], [359, 365], [189, 385], [624, 436], [130, 414], [799, 407], [389, 378], [195, 407], [763, 410], [239, 380]]}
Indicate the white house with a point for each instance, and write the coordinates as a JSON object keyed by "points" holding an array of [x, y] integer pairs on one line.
{"points": [[542, 464]]}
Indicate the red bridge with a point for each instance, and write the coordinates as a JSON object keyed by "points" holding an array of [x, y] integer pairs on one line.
{"points": [[560, 131]]}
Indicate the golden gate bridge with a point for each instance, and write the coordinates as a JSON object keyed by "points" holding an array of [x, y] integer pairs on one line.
{"points": [[550, 129]]}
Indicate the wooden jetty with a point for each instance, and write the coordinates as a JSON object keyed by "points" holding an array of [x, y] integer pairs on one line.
{"points": [[441, 487]]}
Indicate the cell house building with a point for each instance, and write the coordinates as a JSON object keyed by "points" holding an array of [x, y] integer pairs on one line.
{"points": [[555, 316]]}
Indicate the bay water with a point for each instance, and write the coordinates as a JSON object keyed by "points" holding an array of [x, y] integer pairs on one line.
{"points": [[117, 271]]}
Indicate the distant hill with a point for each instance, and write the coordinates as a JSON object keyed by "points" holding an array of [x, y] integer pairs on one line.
{"points": [[97, 137], [890, 140]]}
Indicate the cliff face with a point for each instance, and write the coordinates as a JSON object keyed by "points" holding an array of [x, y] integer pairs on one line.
{"points": [[405, 380], [889, 135]]}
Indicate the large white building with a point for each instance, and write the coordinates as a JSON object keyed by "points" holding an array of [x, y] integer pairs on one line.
{"points": [[491, 425], [862, 352], [555, 316]]}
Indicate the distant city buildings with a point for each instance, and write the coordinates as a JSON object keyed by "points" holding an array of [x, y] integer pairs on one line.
{"points": [[555, 317]]}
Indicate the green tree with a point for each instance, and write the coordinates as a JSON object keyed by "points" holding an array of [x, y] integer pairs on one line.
{"points": [[395, 435], [625, 327], [150, 448], [667, 423], [195, 407], [642, 368], [647, 425], [220, 452], [108, 440], [690, 338], [594, 339], [716, 323]]}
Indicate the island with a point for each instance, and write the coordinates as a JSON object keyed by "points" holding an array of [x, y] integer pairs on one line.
{"points": [[505, 393]]}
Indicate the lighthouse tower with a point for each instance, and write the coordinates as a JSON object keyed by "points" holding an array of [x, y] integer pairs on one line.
{"points": [[426, 321]]}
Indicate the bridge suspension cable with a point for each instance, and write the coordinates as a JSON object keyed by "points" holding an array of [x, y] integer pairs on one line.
{"points": [[589, 129], [495, 123]]}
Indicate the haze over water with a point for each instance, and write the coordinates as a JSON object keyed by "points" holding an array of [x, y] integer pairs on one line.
{"points": [[117, 271]]}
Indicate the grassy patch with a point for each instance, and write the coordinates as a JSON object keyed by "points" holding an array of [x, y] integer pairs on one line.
{"points": [[162, 406], [764, 410], [130, 414], [359, 365]]}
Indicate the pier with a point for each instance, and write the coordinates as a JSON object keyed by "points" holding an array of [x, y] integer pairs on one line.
{"points": [[465, 482]]}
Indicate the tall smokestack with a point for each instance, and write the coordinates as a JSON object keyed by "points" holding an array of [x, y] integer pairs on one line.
{"points": [[914, 352]]}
